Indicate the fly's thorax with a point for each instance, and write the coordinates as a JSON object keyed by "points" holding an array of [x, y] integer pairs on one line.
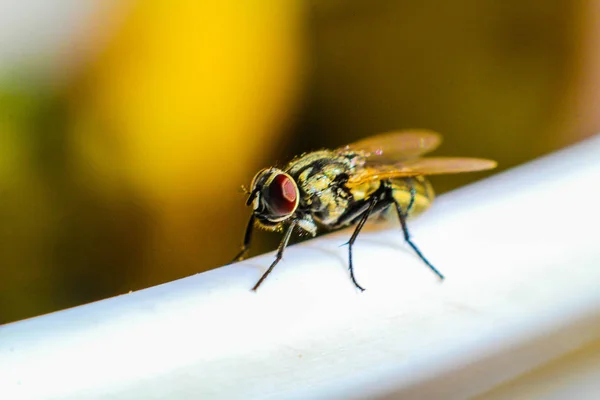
{"points": [[348, 160], [320, 170], [321, 176], [330, 205], [274, 197], [317, 179], [423, 194], [364, 190]]}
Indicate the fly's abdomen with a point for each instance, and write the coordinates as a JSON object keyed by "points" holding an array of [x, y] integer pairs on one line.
{"points": [[423, 194]]}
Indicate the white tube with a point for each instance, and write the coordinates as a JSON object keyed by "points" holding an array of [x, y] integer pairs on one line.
{"points": [[521, 255]]}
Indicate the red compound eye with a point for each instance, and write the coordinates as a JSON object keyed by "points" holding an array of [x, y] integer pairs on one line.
{"points": [[283, 195]]}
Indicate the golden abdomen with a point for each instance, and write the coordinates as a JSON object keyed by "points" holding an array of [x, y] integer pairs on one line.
{"points": [[423, 194]]}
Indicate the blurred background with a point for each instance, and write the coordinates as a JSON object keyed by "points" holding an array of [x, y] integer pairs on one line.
{"points": [[128, 127]]}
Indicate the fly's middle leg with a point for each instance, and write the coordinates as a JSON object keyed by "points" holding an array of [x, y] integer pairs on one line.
{"points": [[357, 230]]}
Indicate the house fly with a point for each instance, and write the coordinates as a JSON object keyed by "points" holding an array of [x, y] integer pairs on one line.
{"points": [[331, 189]]}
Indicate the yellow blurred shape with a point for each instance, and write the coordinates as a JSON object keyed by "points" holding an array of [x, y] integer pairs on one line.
{"points": [[194, 91]]}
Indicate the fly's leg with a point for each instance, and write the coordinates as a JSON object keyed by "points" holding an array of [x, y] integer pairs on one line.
{"points": [[402, 216], [413, 195], [359, 226], [247, 240], [282, 245]]}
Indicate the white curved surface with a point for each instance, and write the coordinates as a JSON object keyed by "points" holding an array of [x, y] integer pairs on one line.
{"points": [[521, 256]]}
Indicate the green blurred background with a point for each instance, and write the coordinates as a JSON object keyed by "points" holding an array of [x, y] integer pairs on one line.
{"points": [[127, 128]]}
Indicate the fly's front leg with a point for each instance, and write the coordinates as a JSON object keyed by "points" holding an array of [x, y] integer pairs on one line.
{"points": [[247, 240], [402, 217], [282, 245]]}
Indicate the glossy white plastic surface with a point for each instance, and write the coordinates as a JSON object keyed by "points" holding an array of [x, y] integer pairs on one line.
{"points": [[520, 251]]}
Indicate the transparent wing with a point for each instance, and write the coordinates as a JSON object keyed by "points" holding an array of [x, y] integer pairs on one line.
{"points": [[421, 166], [391, 147]]}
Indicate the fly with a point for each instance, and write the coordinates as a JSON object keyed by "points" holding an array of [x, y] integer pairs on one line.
{"points": [[332, 189]]}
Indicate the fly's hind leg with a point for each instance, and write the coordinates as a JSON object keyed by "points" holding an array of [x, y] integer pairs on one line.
{"points": [[402, 216]]}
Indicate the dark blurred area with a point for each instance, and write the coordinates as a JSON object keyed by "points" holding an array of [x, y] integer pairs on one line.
{"points": [[127, 128]]}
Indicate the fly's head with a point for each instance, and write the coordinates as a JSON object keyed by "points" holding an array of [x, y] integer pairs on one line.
{"points": [[274, 197]]}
